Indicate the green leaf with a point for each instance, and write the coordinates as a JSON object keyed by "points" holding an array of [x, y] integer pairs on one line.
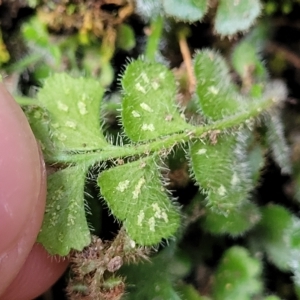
{"points": [[278, 234], [148, 108], [221, 170], [151, 280], [236, 223], [154, 39], [33, 3], [246, 61], [135, 195], [148, 9], [65, 227], [181, 264], [256, 158], [38, 39], [297, 290], [39, 122], [189, 10], [277, 142], [189, 292], [74, 111], [217, 96], [236, 15], [237, 276], [273, 234], [36, 32], [246, 58], [125, 37]]}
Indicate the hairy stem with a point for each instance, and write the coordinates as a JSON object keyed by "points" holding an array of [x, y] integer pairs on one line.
{"points": [[165, 144]]}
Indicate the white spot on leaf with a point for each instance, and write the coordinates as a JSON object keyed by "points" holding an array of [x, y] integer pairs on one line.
{"points": [[146, 107], [148, 127], [201, 151], [155, 85], [82, 108], [162, 75], [122, 186], [73, 210], [140, 88], [151, 223], [159, 213], [61, 106], [70, 124], [213, 90], [61, 237], [138, 188], [54, 219], [135, 114], [71, 220], [222, 190], [164, 216], [141, 217], [37, 115], [62, 137], [145, 77], [156, 207]]}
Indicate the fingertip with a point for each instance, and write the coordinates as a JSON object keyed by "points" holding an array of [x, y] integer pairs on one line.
{"points": [[37, 275], [20, 172], [12, 260]]}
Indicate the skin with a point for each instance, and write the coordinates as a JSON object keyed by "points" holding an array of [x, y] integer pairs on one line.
{"points": [[26, 270]]}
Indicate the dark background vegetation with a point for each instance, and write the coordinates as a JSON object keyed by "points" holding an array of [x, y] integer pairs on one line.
{"points": [[282, 58]]}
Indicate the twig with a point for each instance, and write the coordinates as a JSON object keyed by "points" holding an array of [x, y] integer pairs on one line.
{"points": [[290, 56], [186, 55], [282, 22]]}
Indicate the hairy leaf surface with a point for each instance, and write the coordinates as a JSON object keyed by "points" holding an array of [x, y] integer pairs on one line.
{"points": [[222, 172], [148, 9], [236, 15], [189, 292], [135, 195], [37, 37], [38, 119], [256, 157], [235, 223], [219, 98], [278, 234], [277, 142], [246, 61], [65, 226], [188, 10], [151, 280], [74, 108], [217, 95], [148, 107], [237, 276], [246, 56]]}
